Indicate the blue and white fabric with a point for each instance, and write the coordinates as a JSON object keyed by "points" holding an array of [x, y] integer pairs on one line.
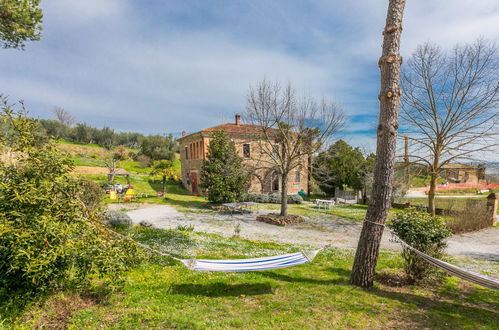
{"points": [[248, 265]]}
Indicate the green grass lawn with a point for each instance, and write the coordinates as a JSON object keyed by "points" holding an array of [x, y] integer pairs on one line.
{"points": [[461, 191], [316, 295], [176, 196], [423, 180], [349, 211]]}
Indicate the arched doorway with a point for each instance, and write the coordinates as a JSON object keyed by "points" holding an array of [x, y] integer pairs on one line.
{"points": [[194, 182], [275, 182]]}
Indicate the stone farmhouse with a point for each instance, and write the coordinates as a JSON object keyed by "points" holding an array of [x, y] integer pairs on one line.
{"points": [[464, 173], [263, 177]]}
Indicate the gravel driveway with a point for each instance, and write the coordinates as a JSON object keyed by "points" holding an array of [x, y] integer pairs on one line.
{"points": [[314, 231]]}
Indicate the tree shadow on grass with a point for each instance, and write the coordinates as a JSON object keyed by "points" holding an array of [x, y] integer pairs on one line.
{"points": [[221, 289], [353, 206], [171, 200], [342, 280], [156, 185], [438, 312], [176, 195]]}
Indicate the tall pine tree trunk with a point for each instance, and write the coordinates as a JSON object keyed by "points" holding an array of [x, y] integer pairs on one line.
{"points": [[366, 256]]}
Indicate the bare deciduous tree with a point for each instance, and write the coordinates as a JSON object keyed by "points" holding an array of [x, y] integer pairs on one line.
{"points": [[366, 256], [63, 116], [450, 105], [291, 129], [112, 160]]}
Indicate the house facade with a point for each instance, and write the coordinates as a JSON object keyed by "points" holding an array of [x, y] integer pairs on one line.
{"points": [[263, 177], [464, 173]]}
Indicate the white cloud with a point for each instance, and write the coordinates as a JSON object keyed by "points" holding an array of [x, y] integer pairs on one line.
{"points": [[121, 63], [78, 12]]}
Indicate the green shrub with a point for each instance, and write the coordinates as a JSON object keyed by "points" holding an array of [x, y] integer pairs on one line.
{"points": [[144, 223], [118, 220], [271, 198], [295, 199], [48, 237], [423, 232], [90, 193]]}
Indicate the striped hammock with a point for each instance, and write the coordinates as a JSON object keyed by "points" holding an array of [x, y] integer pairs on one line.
{"points": [[465, 274], [248, 265], [294, 259]]}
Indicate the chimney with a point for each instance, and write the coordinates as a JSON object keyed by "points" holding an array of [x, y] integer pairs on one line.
{"points": [[184, 133], [238, 119]]}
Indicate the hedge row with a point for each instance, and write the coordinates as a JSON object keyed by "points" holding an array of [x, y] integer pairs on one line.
{"points": [[271, 198]]}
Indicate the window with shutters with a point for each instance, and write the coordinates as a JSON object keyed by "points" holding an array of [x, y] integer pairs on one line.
{"points": [[298, 176]]}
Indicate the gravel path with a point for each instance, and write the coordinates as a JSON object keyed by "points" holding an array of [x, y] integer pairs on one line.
{"points": [[314, 231]]}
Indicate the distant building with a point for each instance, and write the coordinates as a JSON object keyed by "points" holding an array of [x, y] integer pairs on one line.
{"points": [[464, 173], [263, 178]]}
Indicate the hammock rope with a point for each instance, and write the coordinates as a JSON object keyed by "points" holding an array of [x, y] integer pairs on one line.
{"points": [[465, 274]]}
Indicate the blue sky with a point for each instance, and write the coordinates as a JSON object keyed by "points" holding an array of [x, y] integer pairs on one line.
{"points": [[166, 66]]}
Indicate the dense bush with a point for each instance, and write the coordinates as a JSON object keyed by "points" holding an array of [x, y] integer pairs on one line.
{"points": [[48, 237], [342, 165], [90, 193], [425, 233], [271, 198], [144, 223], [117, 219]]}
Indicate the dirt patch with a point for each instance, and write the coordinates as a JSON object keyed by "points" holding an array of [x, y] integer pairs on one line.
{"points": [[393, 279], [126, 207], [276, 219], [59, 309], [96, 170]]}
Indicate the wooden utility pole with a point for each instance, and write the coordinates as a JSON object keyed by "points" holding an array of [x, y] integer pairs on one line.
{"points": [[406, 160], [366, 256]]}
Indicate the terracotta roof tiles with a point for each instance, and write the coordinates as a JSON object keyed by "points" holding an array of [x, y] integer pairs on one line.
{"points": [[231, 128]]}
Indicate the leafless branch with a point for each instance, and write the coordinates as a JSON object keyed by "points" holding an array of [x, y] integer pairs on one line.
{"points": [[291, 128], [450, 103]]}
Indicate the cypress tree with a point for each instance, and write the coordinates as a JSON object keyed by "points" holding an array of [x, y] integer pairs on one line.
{"points": [[223, 173]]}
